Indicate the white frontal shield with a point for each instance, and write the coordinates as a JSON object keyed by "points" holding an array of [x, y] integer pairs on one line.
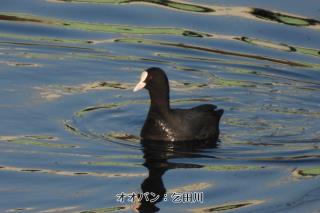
{"points": [[141, 84]]}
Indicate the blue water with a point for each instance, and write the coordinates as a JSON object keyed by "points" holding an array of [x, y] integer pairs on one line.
{"points": [[70, 123]]}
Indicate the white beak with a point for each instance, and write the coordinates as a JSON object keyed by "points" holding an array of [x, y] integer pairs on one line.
{"points": [[141, 83]]}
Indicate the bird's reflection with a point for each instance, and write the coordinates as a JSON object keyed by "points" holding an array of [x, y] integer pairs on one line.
{"points": [[157, 155]]}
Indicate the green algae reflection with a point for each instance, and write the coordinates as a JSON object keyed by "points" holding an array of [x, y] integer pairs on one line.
{"points": [[228, 206], [167, 3], [213, 50], [224, 168], [36, 140], [70, 173], [106, 210], [111, 163], [43, 38], [242, 12], [307, 172], [282, 47], [123, 136], [194, 187], [97, 27], [283, 18], [52, 92], [56, 91]]}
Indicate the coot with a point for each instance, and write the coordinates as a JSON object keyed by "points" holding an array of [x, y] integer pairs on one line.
{"points": [[166, 124]]}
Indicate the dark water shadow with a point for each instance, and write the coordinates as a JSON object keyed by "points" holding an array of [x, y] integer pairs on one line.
{"points": [[283, 18], [157, 155]]}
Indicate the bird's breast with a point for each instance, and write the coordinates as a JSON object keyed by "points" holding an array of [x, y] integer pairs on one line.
{"points": [[157, 129]]}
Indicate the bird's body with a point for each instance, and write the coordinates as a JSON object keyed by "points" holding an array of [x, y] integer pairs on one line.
{"points": [[198, 123], [166, 124]]}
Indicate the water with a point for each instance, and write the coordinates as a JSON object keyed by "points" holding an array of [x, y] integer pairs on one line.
{"points": [[69, 130]]}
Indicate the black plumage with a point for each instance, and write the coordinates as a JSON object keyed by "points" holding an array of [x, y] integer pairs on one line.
{"points": [[166, 124]]}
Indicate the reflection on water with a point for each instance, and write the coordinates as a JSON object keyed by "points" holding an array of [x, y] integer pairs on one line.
{"points": [[284, 19], [157, 155], [214, 10], [211, 50], [70, 122]]}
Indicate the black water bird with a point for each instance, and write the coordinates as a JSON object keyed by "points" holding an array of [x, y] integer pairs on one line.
{"points": [[166, 124]]}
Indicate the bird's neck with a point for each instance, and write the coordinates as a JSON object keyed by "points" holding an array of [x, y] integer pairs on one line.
{"points": [[159, 101]]}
